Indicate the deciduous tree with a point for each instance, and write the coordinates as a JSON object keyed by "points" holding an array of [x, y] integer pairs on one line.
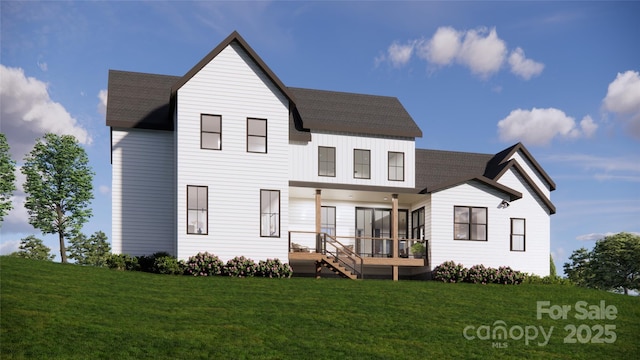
{"points": [[93, 251], [33, 248], [58, 187], [7, 178], [613, 264]]}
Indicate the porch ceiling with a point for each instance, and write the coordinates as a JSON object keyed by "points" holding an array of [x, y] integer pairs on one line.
{"points": [[354, 195]]}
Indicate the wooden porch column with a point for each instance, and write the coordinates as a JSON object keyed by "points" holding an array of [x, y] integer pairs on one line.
{"points": [[394, 232], [318, 218]]}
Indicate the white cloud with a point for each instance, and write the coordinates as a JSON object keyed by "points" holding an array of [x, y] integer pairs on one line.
{"points": [[400, 55], [102, 105], [28, 112], [482, 52], [17, 220], [523, 67], [623, 98], [598, 236], [43, 66], [443, 47], [8, 247], [540, 126]]}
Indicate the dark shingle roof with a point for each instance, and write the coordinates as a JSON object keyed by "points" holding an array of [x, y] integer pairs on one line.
{"points": [[354, 113], [139, 100], [438, 170]]}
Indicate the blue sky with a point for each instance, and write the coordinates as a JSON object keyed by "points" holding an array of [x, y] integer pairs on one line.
{"points": [[562, 77]]}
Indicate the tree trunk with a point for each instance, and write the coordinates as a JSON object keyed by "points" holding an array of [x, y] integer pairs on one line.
{"points": [[63, 249], [626, 291]]}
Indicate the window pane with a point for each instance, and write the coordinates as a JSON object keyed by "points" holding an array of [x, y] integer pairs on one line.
{"points": [[210, 141], [461, 214], [517, 243], [517, 226], [478, 232], [257, 127], [211, 123], [478, 215], [257, 144], [461, 231], [270, 213], [192, 197]]}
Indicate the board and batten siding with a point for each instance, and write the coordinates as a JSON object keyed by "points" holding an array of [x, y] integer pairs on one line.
{"points": [[235, 88], [496, 251], [304, 159], [143, 192], [533, 174]]}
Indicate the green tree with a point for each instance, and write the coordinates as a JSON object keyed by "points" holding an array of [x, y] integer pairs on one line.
{"points": [[58, 187], [613, 264], [93, 251], [552, 268], [33, 248], [578, 270], [7, 178]]}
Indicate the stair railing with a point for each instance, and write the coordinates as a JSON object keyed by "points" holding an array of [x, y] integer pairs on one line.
{"points": [[344, 255]]}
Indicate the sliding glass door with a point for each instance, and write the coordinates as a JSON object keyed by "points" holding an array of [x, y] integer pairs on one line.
{"points": [[373, 231]]}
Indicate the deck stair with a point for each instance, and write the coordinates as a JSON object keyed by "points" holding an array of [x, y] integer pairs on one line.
{"points": [[334, 265]]}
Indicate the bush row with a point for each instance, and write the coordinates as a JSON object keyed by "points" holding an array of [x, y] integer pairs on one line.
{"points": [[201, 264], [451, 272]]}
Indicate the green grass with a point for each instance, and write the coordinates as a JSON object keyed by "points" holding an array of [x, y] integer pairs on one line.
{"points": [[49, 310]]}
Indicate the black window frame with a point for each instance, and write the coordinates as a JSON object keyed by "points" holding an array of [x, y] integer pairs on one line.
{"points": [[331, 163], [198, 230], [203, 131], [395, 167], [252, 136], [324, 221], [416, 226], [357, 165], [278, 213], [524, 234], [470, 224]]}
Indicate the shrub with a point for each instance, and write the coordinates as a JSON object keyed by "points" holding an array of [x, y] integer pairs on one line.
{"points": [[122, 262], [204, 264], [508, 276], [479, 274], [167, 265], [449, 271], [547, 280], [240, 266], [273, 268]]}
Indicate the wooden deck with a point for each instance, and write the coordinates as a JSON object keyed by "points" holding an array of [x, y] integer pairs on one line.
{"points": [[372, 261]]}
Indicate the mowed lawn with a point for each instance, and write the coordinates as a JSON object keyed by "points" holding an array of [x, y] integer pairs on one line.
{"points": [[55, 311]]}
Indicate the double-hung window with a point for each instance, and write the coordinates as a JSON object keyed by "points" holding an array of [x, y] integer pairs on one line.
{"points": [[361, 164], [470, 223], [197, 210], [326, 161], [270, 213], [257, 135], [518, 234], [396, 166], [211, 132]]}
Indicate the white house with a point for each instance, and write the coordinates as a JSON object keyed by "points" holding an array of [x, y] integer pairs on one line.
{"points": [[229, 160]]}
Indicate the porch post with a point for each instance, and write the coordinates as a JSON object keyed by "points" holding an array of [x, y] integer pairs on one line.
{"points": [[394, 232], [318, 218]]}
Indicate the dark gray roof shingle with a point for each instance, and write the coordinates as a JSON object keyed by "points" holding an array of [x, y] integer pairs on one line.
{"points": [[438, 168], [333, 111], [139, 100]]}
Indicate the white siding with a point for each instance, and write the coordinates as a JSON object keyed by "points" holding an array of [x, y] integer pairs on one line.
{"points": [[496, 251], [143, 192], [533, 174], [232, 86], [304, 159]]}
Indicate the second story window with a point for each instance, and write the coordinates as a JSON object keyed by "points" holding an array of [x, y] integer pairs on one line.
{"points": [[326, 161], [257, 135], [211, 132], [396, 166], [361, 164]]}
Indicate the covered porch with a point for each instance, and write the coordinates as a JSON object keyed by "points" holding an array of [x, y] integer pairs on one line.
{"points": [[363, 231]]}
